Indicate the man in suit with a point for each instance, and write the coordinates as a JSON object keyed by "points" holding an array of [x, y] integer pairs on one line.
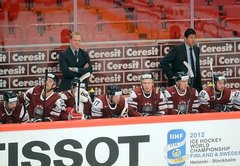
{"points": [[187, 51], [74, 62]]}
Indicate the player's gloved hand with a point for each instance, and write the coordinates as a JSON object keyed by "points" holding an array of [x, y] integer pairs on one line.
{"points": [[195, 111], [224, 108], [159, 113], [37, 120], [47, 119]]}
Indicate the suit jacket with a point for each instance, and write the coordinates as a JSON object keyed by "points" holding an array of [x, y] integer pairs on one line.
{"points": [[67, 59], [173, 62]]}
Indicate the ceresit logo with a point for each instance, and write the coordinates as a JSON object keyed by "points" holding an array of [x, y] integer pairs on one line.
{"points": [[3, 57], [103, 53], [176, 148], [227, 72], [166, 48], [123, 65], [7, 70], [102, 78], [54, 55], [98, 90], [26, 82], [3, 83], [97, 65], [238, 46], [205, 60], [142, 51], [224, 47], [152, 63], [136, 76], [232, 59], [41, 68], [28, 56]]}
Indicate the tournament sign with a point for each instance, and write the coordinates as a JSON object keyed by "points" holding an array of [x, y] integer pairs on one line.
{"points": [[174, 140]]}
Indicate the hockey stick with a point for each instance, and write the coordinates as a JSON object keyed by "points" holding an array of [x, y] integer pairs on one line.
{"points": [[125, 109], [45, 94], [81, 79], [191, 75], [213, 84], [84, 76]]}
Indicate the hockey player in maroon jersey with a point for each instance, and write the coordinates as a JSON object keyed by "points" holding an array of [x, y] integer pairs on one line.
{"points": [[110, 105], [217, 98], [181, 98], [34, 98], [146, 100], [11, 111], [82, 110]]}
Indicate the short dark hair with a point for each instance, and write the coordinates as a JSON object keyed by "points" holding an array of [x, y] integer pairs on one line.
{"points": [[189, 31]]}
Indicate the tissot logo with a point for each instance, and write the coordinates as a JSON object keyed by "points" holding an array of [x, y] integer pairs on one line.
{"points": [[72, 149]]}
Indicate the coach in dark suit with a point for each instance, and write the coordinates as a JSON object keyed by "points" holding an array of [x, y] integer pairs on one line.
{"points": [[74, 62], [187, 51]]}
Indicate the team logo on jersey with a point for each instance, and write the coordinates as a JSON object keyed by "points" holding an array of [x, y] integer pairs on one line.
{"points": [[176, 147]]}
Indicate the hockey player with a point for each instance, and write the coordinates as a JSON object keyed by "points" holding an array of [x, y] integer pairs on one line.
{"points": [[70, 97], [217, 98], [11, 111], [110, 105], [181, 98], [146, 100], [34, 98]]}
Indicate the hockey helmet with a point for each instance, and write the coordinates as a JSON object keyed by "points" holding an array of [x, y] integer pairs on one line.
{"points": [[114, 90], [147, 76], [10, 96], [218, 77], [54, 77], [181, 76]]}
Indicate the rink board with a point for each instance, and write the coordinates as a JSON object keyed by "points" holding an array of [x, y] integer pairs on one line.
{"points": [[203, 139]]}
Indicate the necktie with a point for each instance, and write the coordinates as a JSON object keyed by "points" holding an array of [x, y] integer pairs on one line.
{"points": [[76, 54], [192, 61]]}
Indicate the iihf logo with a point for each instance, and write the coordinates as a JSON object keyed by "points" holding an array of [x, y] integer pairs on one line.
{"points": [[176, 147]]}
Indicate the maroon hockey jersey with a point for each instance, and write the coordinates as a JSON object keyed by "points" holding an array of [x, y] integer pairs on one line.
{"points": [[182, 103], [102, 109], [210, 103], [54, 104], [140, 104], [19, 115]]}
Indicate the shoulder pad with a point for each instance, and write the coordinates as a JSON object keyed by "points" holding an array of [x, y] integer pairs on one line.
{"points": [[203, 97], [236, 97], [133, 94]]}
